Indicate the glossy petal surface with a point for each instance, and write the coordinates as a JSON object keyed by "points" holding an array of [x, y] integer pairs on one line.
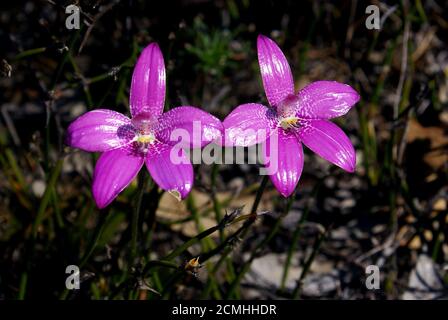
{"points": [[99, 131], [148, 82], [285, 157], [275, 71], [329, 141], [114, 171], [171, 169], [324, 100], [248, 124], [188, 126]]}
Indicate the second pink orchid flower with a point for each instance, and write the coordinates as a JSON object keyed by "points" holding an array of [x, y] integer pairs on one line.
{"points": [[295, 118]]}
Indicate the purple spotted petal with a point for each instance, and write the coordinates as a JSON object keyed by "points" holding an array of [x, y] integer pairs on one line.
{"points": [[275, 71], [148, 82], [329, 141], [99, 131], [248, 124], [324, 100], [284, 158], [188, 126], [171, 169], [114, 171]]}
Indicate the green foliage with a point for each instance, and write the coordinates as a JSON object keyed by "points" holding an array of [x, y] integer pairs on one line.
{"points": [[212, 48]]}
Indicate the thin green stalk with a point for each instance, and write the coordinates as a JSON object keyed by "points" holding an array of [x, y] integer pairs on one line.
{"points": [[159, 263], [29, 53], [47, 195], [46, 198], [57, 210], [295, 237], [309, 261], [259, 194], [142, 186], [242, 231], [253, 211], [245, 268], [102, 222], [48, 105], [179, 250], [217, 207], [15, 168], [23, 286], [154, 198], [306, 46], [156, 281], [206, 243], [226, 245], [439, 237], [216, 204], [85, 85], [239, 234], [104, 217], [293, 247], [226, 221], [19, 192], [171, 281]]}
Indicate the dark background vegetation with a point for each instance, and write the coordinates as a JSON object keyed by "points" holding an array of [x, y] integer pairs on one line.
{"points": [[391, 212]]}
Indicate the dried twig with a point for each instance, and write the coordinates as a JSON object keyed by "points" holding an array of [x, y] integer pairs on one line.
{"points": [[94, 20]]}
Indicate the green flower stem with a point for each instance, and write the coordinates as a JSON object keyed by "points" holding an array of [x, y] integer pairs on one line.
{"points": [[179, 250], [309, 261], [142, 186], [246, 266], [293, 247], [206, 243], [204, 257], [104, 217], [102, 222], [259, 194], [253, 213], [154, 198], [239, 234], [216, 204], [296, 236]]}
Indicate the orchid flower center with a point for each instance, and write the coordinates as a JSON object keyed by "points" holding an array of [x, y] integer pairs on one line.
{"points": [[287, 113], [289, 122], [144, 124], [146, 138]]}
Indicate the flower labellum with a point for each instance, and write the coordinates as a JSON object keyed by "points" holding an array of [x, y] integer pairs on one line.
{"points": [[126, 144], [293, 119]]}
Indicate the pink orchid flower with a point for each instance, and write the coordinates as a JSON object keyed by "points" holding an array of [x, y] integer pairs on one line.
{"points": [[295, 118], [145, 138]]}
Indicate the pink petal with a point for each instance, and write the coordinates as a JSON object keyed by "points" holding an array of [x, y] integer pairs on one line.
{"points": [[329, 141], [99, 131], [248, 124], [275, 71], [191, 126], [285, 159], [325, 100], [114, 171], [148, 82], [171, 169]]}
